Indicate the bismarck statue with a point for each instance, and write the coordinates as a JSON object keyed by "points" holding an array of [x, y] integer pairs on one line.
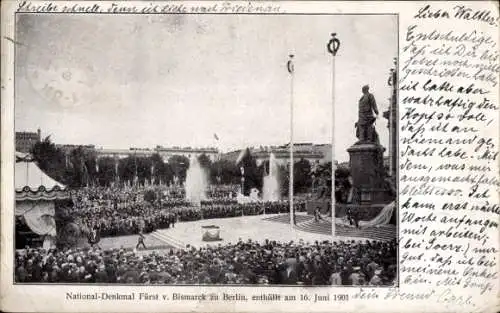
{"points": [[365, 128]]}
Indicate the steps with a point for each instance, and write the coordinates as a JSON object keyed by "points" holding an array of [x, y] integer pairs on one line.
{"points": [[164, 236], [319, 227], [306, 223], [285, 218], [384, 233]]}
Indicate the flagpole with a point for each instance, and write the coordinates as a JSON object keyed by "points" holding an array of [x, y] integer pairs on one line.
{"points": [[290, 188], [390, 83], [136, 179], [392, 103], [117, 177], [219, 168], [97, 172], [333, 46]]}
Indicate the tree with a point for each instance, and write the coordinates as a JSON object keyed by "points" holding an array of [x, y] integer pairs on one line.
{"points": [[161, 171], [342, 184], [143, 169], [228, 171], [81, 170], [179, 165], [204, 161], [253, 174], [302, 176], [50, 159], [150, 195], [106, 174], [127, 168], [284, 179], [167, 174], [135, 169]]}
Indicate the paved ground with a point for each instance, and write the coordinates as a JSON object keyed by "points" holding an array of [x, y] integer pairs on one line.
{"points": [[258, 228], [129, 242]]}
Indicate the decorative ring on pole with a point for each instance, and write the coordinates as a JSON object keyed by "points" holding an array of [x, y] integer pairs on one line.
{"points": [[390, 81], [289, 65], [395, 73], [333, 45]]}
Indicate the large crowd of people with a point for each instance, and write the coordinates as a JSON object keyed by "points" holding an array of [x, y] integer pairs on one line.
{"points": [[245, 262], [126, 211], [118, 212]]}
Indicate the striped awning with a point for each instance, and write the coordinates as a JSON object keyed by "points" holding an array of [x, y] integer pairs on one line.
{"points": [[31, 183]]}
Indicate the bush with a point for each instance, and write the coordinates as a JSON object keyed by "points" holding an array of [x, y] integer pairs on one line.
{"points": [[149, 196]]}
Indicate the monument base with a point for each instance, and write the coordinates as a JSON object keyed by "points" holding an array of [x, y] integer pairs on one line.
{"points": [[368, 174]]}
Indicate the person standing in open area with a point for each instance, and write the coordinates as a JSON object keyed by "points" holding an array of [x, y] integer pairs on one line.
{"points": [[140, 241]]}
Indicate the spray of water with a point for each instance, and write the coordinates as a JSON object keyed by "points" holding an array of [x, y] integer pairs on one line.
{"points": [[196, 182], [271, 188]]}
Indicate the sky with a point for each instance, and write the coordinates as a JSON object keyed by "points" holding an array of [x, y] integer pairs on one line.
{"points": [[120, 81]]}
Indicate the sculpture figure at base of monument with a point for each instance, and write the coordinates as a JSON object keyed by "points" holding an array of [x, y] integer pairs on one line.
{"points": [[365, 128]]}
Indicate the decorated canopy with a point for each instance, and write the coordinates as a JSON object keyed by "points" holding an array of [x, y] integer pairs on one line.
{"points": [[35, 196], [31, 183]]}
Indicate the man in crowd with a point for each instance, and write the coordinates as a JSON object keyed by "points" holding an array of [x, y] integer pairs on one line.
{"points": [[317, 214], [140, 241]]}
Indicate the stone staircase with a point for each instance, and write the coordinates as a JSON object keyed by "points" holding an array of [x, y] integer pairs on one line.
{"points": [[285, 218], [306, 223], [164, 236]]}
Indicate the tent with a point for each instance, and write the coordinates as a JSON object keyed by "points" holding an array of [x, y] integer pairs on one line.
{"points": [[36, 194]]}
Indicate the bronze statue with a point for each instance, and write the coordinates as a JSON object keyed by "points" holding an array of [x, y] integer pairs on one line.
{"points": [[365, 128]]}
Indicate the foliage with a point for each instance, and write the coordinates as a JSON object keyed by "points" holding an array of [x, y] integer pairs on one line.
{"points": [[107, 171], [162, 172], [284, 179], [228, 172], [81, 167], [179, 165], [301, 176], [50, 159], [149, 195], [204, 161], [253, 174]]}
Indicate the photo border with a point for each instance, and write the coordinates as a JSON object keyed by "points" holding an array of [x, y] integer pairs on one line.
{"points": [[397, 26]]}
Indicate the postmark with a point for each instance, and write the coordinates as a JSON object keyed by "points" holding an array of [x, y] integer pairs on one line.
{"points": [[56, 83]]}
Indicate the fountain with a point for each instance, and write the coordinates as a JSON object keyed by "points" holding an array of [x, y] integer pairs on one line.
{"points": [[271, 188], [196, 182]]}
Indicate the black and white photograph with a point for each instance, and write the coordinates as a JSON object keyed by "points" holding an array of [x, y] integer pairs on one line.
{"points": [[205, 149]]}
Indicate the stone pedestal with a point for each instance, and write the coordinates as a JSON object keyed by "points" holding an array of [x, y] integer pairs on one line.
{"points": [[367, 172]]}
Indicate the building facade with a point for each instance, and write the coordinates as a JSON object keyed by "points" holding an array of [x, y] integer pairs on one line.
{"points": [[165, 152], [188, 152], [306, 151], [26, 140], [67, 149]]}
